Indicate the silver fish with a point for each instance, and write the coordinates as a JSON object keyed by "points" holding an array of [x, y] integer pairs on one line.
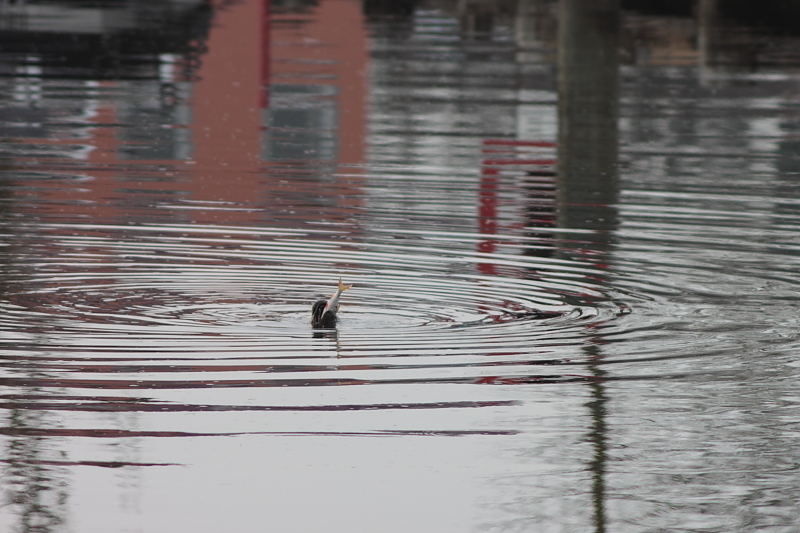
{"points": [[333, 303]]}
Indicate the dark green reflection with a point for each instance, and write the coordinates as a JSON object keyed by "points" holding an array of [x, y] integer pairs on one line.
{"points": [[587, 182], [588, 65], [598, 437]]}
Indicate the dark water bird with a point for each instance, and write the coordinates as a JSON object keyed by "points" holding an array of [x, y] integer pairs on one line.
{"points": [[323, 313]]}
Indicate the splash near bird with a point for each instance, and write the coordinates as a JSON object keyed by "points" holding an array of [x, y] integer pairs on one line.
{"points": [[323, 314]]}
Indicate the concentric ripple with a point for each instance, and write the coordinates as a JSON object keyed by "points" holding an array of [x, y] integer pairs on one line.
{"points": [[175, 288], [176, 308]]}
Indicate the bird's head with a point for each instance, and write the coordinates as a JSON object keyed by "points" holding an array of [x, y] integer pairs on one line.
{"points": [[317, 310]]}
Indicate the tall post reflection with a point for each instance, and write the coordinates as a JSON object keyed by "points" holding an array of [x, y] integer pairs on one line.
{"points": [[588, 65], [587, 183], [707, 32]]}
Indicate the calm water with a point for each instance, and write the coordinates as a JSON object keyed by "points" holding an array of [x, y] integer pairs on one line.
{"points": [[520, 351]]}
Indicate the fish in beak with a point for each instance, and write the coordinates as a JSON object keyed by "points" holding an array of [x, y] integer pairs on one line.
{"points": [[323, 314]]}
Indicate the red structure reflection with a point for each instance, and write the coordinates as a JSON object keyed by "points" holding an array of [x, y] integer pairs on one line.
{"points": [[221, 161]]}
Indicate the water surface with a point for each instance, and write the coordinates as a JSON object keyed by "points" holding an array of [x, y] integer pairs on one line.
{"points": [[518, 353]]}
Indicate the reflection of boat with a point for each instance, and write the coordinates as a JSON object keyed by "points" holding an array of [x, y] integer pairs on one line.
{"points": [[323, 313]]}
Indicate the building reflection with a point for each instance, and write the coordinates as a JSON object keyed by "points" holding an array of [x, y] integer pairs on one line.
{"points": [[149, 113], [595, 39], [210, 129], [99, 39], [195, 113]]}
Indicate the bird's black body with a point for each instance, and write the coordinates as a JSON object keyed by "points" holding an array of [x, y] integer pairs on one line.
{"points": [[321, 318]]}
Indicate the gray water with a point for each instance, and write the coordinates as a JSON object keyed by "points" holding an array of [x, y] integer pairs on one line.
{"points": [[519, 352]]}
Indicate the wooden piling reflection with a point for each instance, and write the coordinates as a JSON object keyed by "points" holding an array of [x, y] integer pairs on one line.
{"points": [[588, 87], [587, 182]]}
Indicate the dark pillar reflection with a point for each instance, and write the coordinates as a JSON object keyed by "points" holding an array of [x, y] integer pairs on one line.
{"points": [[707, 32], [588, 64], [587, 181], [598, 437]]}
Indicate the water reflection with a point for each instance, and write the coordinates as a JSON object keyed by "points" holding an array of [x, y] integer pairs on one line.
{"points": [[551, 328], [35, 487], [587, 184], [587, 111], [129, 39]]}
